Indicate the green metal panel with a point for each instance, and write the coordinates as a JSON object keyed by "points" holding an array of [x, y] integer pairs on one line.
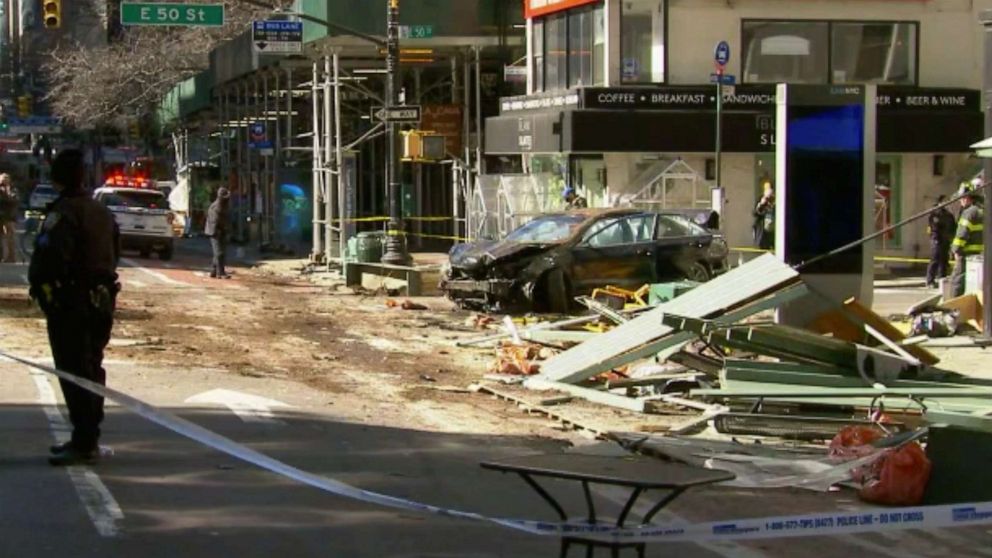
{"points": [[450, 18]]}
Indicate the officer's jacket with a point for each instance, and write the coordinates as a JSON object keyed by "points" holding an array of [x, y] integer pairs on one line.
{"points": [[971, 226], [77, 249]]}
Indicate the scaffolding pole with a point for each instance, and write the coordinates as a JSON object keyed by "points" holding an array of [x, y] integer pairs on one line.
{"points": [[339, 162], [317, 254], [328, 147]]}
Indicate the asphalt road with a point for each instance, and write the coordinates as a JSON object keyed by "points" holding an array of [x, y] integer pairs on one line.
{"points": [[161, 494]]}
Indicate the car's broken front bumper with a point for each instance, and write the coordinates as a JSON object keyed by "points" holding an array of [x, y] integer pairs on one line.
{"points": [[472, 288]]}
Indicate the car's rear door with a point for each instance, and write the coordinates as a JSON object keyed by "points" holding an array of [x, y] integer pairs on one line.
{"points": [[618, 251]]}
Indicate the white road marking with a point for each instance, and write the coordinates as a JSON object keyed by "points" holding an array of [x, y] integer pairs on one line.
{"points": [[151, 273], [100, 504], [249, 408], [135, 283]]}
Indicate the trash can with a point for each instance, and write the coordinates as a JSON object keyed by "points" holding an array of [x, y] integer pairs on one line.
{"points": [[368, 246]]}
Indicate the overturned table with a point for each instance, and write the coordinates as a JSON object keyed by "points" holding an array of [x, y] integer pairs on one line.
{"points": [[638, 473]]}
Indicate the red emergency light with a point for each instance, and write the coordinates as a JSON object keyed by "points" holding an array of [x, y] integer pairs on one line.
{"points": [[122, 181]]}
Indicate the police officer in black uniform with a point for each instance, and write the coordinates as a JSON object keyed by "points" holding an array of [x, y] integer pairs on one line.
{"points": [[73, 278]]}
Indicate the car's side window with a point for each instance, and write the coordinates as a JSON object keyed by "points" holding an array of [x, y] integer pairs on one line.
{"points": [[641, 227], [672, 227], [621, 230], [608, 232]]}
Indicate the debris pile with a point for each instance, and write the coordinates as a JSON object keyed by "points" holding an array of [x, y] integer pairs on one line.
{"points": [[850, 379]]}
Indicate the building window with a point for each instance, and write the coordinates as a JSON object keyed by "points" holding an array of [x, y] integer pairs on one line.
{"points": [[829, 52], [789, 52], [556, 48], [580, 48], [643, 34], [873, 53], [569, 49], [537, 56]]}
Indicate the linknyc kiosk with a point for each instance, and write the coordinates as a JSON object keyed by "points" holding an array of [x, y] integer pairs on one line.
{"points": [[825, 184]]}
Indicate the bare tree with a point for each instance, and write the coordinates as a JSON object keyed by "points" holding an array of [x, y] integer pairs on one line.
{"points": [[107, 84]]}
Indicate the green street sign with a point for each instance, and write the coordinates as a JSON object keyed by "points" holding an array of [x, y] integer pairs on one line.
{"points": [[157, 13], [416, 31]]}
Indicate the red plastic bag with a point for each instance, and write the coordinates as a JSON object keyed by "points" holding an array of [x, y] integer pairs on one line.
{"points": [[854, 441], [899, 478]]}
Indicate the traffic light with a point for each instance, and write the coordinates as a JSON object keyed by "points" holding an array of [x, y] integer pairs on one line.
{"points": [[24, 108], [423, 146], [51, 13], [134, 128]]}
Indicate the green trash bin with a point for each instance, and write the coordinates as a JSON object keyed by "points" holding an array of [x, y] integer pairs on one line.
{"points": [[368, 247]]}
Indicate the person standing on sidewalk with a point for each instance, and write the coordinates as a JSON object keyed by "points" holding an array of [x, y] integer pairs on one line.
{"points": [[216, 229], [969, 240], [941, 228], [73, 277], [8, 218]]}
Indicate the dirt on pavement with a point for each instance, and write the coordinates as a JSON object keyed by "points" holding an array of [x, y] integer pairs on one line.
{"points": [[382, 364]]}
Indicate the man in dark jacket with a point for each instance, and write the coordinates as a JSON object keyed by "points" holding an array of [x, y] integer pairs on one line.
{"points": [[73, 277], [941, 228], [216, 229], [9, 200]]}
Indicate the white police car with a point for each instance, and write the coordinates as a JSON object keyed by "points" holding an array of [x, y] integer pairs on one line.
{"points": [[142, 214]]}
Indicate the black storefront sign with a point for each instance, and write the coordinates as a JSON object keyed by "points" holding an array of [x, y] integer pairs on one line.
{"points": [[598, 131], [762, 97], [682, 119]]}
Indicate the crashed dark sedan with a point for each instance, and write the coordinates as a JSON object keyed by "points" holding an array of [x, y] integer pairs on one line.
{"points": [[550, 260]]}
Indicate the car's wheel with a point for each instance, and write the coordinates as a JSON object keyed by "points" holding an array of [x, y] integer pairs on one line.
{"points": [[145, 253], [555, 291], [166, 254], [698, 272]]}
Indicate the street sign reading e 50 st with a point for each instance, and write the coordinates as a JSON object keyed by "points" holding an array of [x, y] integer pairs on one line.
{"points": [[157, 13]]}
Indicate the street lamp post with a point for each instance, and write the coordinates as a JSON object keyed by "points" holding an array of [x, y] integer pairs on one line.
{"points": [[395, 249]]}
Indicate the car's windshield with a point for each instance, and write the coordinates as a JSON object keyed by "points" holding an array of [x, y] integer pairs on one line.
{"points": [[45, 191], [547, 229], [146, 200]]}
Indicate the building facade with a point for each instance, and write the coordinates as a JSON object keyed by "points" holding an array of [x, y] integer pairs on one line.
{"points": [[621, 101]]}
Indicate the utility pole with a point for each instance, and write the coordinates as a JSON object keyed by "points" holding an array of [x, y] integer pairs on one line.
{"points": [[395, 250], [986, 19]]}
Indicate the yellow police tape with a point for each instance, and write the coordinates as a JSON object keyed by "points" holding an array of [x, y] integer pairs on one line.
{"points": [[382, 219], [891, 259]]}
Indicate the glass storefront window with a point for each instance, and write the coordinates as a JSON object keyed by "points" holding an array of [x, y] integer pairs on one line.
{"points": [[643, 31], [793, 52], [829, 52], [873, 53]]}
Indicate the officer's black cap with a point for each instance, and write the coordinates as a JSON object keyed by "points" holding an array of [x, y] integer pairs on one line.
{"points": [[69, 169]]}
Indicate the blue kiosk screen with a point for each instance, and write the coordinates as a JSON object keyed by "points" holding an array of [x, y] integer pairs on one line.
{"points": [[824, 198]]}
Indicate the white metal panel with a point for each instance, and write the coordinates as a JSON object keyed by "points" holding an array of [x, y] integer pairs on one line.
{"points": [[727, 291]]}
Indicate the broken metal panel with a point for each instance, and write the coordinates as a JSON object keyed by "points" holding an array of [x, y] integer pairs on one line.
{"points": [[894, 399], [760, 276], [733, 377], [590, 394]]}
